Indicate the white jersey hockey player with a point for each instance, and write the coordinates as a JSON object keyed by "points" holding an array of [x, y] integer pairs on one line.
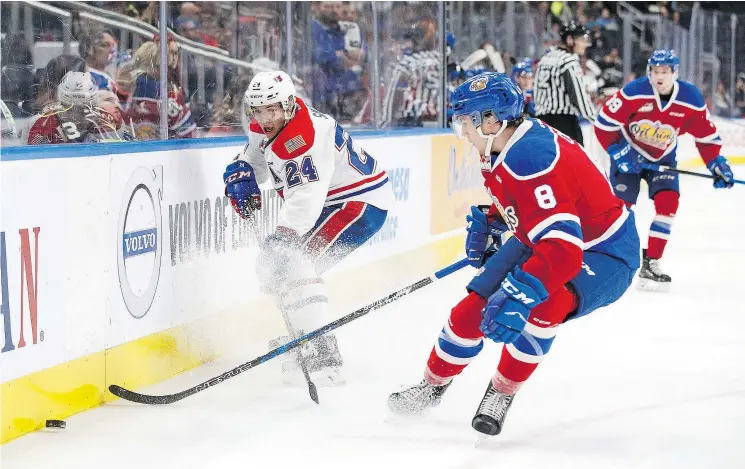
{"points": [[335, 195]]}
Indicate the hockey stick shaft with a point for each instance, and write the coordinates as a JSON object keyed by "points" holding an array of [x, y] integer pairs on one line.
{"points": [[312, 390], [666, 169], [171, 398]]}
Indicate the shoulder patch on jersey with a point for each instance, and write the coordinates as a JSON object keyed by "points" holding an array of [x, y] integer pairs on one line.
{"points": [[298, 135], [689, 94], [641, 87], [533, 154]]}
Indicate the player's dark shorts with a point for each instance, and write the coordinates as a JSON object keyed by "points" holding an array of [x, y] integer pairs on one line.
{"points": [[605, 277], [627, 186], [341, 229], [567, 124]]}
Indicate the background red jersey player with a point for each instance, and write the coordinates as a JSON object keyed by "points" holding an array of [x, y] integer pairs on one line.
{"points": [[575, 249], [78, 115], [641, 124]]}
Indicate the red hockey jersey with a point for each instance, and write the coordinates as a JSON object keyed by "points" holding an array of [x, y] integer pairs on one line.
{"points": [[556, 201], [143, 111], [636, 113], [60, 123]]}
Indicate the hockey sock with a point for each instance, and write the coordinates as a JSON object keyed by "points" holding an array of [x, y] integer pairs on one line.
{"points": [[458, 343], [666, 205], [521, 358]]}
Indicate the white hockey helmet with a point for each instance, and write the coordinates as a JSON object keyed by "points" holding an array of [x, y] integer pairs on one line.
{"points": [[77, 88], [269, 88]]}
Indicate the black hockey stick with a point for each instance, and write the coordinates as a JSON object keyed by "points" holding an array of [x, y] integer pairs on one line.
{"points": [[668, 169], [301, 360], [312, 390], [171, 398]]}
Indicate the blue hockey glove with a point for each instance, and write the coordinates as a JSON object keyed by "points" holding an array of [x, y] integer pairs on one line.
{"points": [[482, 237], [508, 310], [275, 261], [242, 189], [626, 159], [512, 254], [722, 172]]}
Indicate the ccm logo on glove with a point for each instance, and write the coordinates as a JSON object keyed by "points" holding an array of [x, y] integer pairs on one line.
{"points": [[515, 293]]}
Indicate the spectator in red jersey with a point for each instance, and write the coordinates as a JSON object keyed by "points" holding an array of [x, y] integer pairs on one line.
{"points": [[76, 111], [143, 106]]}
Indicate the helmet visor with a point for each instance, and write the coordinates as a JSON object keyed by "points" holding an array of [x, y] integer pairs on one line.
{"points": [[462, 122], [266, 114]]}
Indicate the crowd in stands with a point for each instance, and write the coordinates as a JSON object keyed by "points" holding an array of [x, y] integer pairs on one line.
{"points": [[336, 76]]}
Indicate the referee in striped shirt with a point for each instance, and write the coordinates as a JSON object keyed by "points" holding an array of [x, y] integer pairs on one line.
{"points": [[560, 92]]}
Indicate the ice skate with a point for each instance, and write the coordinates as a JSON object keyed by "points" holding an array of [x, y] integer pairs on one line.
{"points": [[322, 358], [489, 418], [651, 278], [416, 399]]}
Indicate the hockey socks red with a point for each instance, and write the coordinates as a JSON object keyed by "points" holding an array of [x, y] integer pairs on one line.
{"points": [[459, 342], [666, 205]]}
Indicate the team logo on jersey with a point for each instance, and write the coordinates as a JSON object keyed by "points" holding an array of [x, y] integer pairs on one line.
{"points": [[478, 85], [649, 107], [263, 144], [508, 214], [485, 164], [654, 134], [510, 217]]}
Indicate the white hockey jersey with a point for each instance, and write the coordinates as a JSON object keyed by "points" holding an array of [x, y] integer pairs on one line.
{"points": [[313, 163]]}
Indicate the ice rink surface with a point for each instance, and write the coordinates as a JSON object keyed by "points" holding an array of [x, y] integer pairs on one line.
{"points": [[655, 381]]}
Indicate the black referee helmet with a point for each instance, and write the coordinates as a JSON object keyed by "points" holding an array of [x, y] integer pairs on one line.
{"points": [[573, 30]]}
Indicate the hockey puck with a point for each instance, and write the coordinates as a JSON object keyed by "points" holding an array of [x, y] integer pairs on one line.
{"points": [[56, 424]]}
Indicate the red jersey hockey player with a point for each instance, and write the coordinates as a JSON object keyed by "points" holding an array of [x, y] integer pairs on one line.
{"points": [[79, 115], [575, 249], [335, 195], [641, 124]]}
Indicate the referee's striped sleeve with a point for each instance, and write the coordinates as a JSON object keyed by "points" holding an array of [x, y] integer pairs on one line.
{"points": [[578, 94]]}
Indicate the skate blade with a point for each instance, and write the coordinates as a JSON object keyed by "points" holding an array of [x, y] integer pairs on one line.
{"points": [[646, 284], [486, 425], [292, 376], [405, 411]]}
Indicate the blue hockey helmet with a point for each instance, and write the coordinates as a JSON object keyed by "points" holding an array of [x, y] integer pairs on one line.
{"points": [[522, 68], [487, 94], [664, 57]]}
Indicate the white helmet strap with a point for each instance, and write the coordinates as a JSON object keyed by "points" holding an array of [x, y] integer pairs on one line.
{"points": [[490, 138]]}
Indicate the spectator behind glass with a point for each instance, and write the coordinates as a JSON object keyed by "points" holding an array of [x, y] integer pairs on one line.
{"points": [[52, 75], [189, 28], [188, 23], [17, 85], [99, 48], [338, 56], [740, 94], [227, 118], [143, 106], [68, 120], [722, 101]]}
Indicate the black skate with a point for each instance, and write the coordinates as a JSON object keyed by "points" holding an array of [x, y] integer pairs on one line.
{"points": [[489, 418], [651, 277], [416, 399]]}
